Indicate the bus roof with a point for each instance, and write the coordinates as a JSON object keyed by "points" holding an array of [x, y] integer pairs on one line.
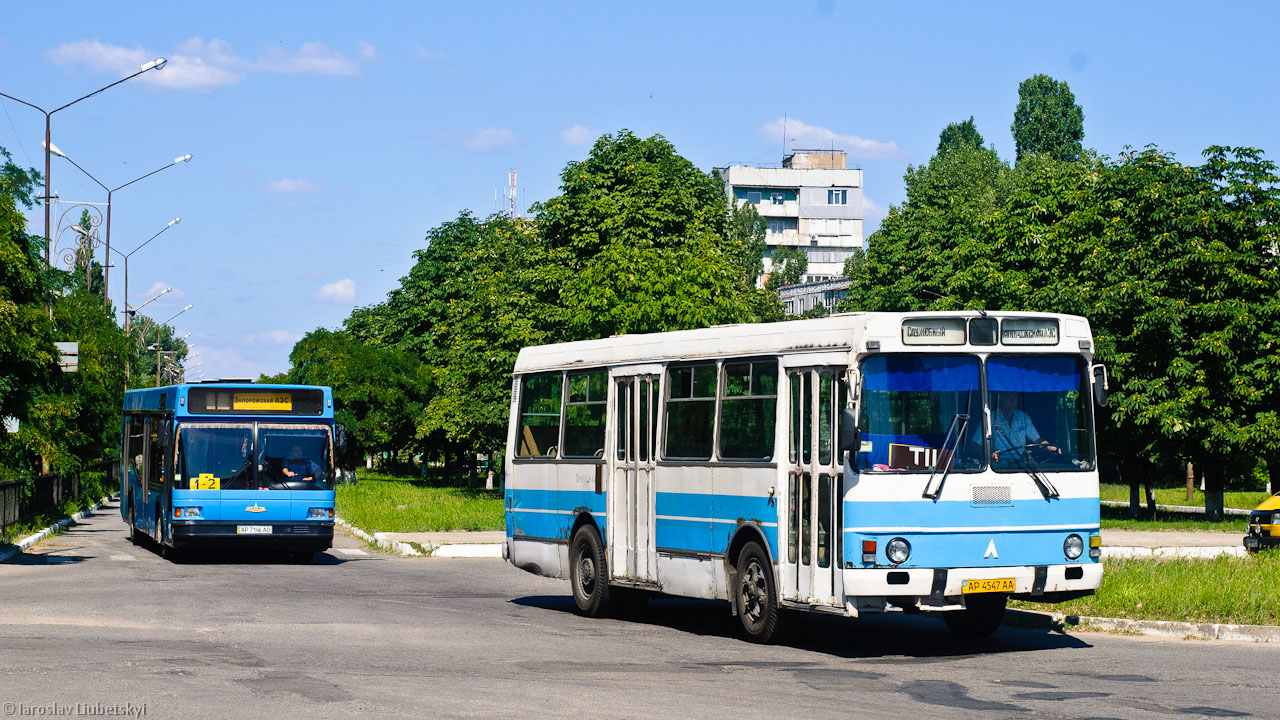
{"points": [[835, 333], [174, 398]]}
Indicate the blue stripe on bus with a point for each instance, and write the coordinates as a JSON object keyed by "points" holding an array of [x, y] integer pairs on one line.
{"points": [[233, 505], [959, 513], [551, 524], [970, 549]]}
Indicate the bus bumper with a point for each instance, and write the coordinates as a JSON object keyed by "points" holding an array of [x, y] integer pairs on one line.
{"points": [[303, 536], [939, 588]]}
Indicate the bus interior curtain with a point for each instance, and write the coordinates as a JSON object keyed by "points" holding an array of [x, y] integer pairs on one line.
{"points": [[1033, 374], [921, 373]]}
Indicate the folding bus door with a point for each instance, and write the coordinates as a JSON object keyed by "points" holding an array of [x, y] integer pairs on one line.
{"points": [[811, 566], [631, 519]]}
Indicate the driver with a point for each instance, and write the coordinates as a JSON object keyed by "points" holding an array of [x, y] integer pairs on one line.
{"points": [[1014, 429], [297, 465]]}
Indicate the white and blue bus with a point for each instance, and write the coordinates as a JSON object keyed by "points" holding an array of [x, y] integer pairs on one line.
{"points": [[851, 464], [230, 465]]}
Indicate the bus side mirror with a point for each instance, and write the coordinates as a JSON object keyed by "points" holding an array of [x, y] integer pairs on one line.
{"points": [[850, 433], [1100, 385]]}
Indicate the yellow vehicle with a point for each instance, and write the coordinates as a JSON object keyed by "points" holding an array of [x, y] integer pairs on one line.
{"points": [[1264, 525]]}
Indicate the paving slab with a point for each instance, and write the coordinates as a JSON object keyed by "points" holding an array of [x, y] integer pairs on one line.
{"points": [[1170, 538]]}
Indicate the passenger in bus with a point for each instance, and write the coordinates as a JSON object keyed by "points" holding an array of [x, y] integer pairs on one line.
{"points": [[1013, 429], [298, 465]]}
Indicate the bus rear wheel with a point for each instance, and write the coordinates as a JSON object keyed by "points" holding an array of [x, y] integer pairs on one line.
{"points": [[980, 618], [135, 537], [588, 573], [755, 595]]}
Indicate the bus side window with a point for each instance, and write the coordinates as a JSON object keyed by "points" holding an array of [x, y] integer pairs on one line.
{"points": [[584, 415], [691, 412], [155, 454], [540, 397], [134, 450]]}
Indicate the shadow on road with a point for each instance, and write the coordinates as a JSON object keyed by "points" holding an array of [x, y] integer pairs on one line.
{"points": [[918, 637], [238, 556]]}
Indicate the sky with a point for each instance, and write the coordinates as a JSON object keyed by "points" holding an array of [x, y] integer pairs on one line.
{"points": [[327, 138]]}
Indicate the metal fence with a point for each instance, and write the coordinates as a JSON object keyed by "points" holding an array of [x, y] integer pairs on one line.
{"points": [[47, 493]]}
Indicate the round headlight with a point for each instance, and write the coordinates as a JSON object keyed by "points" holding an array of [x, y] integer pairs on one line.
{"points": [[1073, 547], [898, 550]]}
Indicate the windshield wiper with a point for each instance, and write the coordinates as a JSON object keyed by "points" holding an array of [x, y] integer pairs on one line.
{"points": [[1031, 467], [952, 441]]}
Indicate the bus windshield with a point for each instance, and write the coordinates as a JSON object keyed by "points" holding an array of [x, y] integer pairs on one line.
{"points": [[1039, 413], [242, 456], [918, 411]]}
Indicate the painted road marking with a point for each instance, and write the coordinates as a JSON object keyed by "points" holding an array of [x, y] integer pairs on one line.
{"points": [[351, 551], [123, 557]]}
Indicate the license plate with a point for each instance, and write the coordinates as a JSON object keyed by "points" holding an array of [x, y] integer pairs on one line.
{"points": [[986, 586], [253, 529]]}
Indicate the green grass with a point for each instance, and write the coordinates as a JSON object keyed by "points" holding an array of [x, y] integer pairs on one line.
{"points": [[384, 503], [1178, 496], [91, 491], [1224, 590], [1114, 518]]}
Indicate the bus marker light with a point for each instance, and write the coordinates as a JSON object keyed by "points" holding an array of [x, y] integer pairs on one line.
{"points": [[868, 551], [1095, 547], [319, 513]]}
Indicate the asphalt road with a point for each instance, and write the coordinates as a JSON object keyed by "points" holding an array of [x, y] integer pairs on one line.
{"points": [[90, 622]]}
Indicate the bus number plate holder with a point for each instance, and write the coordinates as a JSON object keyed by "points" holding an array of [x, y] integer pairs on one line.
{"points": [[253, 529], [1004, 585]]}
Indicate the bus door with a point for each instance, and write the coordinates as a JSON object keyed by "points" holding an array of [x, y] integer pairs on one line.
{"points": [[633, 464], [811, 569]]}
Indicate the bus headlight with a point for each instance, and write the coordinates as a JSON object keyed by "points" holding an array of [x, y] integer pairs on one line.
{"points": [[320, 514], [187, 513], [897, 550], [1073, 547]]}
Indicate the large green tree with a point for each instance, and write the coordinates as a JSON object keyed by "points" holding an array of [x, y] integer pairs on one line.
{"points": [[641, 231], [961, 134], [1047, 120]]}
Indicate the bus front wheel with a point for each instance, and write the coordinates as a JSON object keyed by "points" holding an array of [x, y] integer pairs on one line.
{"points": [[980, 618], [756, 595], [588, 573]]}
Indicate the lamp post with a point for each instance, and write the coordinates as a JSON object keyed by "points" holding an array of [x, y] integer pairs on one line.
{"points": [[106, 269], [129, 313], [157, 64]]}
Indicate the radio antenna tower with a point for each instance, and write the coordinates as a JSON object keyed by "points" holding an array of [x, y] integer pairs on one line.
{"points": [[510, 194]]}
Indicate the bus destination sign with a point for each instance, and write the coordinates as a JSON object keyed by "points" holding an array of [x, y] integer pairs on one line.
{"points": [[257, 401], [933, 331], [1029, 331]]}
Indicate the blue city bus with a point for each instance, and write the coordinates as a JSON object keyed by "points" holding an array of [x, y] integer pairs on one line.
{"points": [[230, 465]]}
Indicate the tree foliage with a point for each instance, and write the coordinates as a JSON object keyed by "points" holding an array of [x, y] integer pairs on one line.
{"points": [[787, 267], [962, 134], [1047, 120]]}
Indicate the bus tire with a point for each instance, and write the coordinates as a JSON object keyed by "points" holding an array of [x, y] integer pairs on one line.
{"points": [[980, 618], [756, 595], [588, 573], [134, 536]]}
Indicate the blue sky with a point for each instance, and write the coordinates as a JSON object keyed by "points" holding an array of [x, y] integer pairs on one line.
{"points": [[329, 137]]}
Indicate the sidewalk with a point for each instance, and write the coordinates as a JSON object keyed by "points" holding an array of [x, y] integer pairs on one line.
{"points": [[1171, 543]]}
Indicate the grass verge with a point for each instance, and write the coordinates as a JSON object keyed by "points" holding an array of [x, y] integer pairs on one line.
{"points": [[1114, 518], [1222, 590], [385, 503], [1178, 496], [91, 491]]}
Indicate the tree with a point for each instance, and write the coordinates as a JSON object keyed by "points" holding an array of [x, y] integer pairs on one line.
{"points": [[376, 390], [28, 359], [1047, 120], [961, 134], [86, 273], [789, 264], [640, 231], [145, 334], [745, 238]]}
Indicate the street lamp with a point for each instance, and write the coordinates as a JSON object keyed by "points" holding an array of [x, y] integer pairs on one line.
{"points": [[159, 352], [128, 315], [157, 64], [106, 270]]}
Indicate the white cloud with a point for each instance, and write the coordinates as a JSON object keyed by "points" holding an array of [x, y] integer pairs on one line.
{"points": [[224, 362], [272, 337], [292, 185], [174, 296], [480, 140], [872, 216], [802, 135], [436, 59], [340, 291], [578, 135], [368, 51], [198, 65]]}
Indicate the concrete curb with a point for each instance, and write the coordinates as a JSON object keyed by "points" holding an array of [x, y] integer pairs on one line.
{"points": [[27, 542], [448, 550], [1160, 628], [1190, 551], [1192, 509]]}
